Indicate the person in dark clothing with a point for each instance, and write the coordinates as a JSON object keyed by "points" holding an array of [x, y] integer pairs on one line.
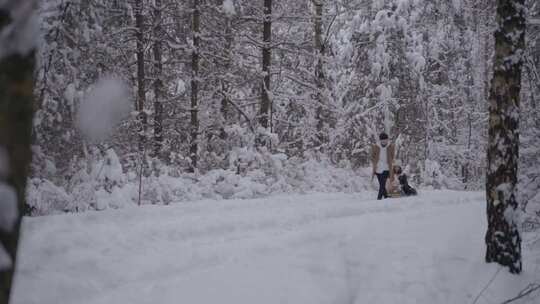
{"points": [[382, 178], [406, 189], [382, 159]]}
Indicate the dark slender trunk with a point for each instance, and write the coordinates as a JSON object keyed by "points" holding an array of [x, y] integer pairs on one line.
{"points": [[16, 113], [502, 238], [158, 83], [225, 83], [319, 73], [465, 167], [266, 64], [141, 91], [194, 147]]}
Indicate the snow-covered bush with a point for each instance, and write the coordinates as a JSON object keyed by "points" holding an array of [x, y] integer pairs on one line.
{"points": [[228, 184], [434, 176], [43, 197], [103, 183]]}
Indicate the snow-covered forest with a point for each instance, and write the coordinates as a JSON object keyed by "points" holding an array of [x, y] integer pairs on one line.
{"points": [[181, 135], [212, 96]]}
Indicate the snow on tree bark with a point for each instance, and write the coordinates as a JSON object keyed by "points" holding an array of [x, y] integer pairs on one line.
{"points": [[16, 114], [502, 238]]}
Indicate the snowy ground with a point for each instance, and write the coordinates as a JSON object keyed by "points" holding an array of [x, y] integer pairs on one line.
{"points": [[319, 248]]}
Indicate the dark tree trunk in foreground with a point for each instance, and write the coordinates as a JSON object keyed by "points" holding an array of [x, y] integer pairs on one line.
{"points": [[141, 90], [158, 83], [194, 146], [502, 238], [16, 112], [264, 111]]}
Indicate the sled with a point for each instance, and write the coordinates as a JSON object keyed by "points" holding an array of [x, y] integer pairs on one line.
{"points": [[394, 195]]}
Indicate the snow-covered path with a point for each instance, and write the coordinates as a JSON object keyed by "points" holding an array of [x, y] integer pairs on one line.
{"points": [[319, 248]]}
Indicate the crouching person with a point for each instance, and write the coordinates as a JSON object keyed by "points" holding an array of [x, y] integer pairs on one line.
{"points": [[406, 189]]}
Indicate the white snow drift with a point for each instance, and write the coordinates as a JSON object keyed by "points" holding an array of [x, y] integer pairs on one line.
{"points": [[319, 248]]}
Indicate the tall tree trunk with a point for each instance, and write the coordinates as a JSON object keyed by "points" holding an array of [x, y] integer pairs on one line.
{"points": [[225, 84], [16, 113], [141, 90], [266, 63], [158, 83], [319, 72], [502, 238], [194, 147]]}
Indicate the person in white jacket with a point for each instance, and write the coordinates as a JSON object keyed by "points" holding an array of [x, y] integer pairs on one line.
{"points": [[382, 159]]}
